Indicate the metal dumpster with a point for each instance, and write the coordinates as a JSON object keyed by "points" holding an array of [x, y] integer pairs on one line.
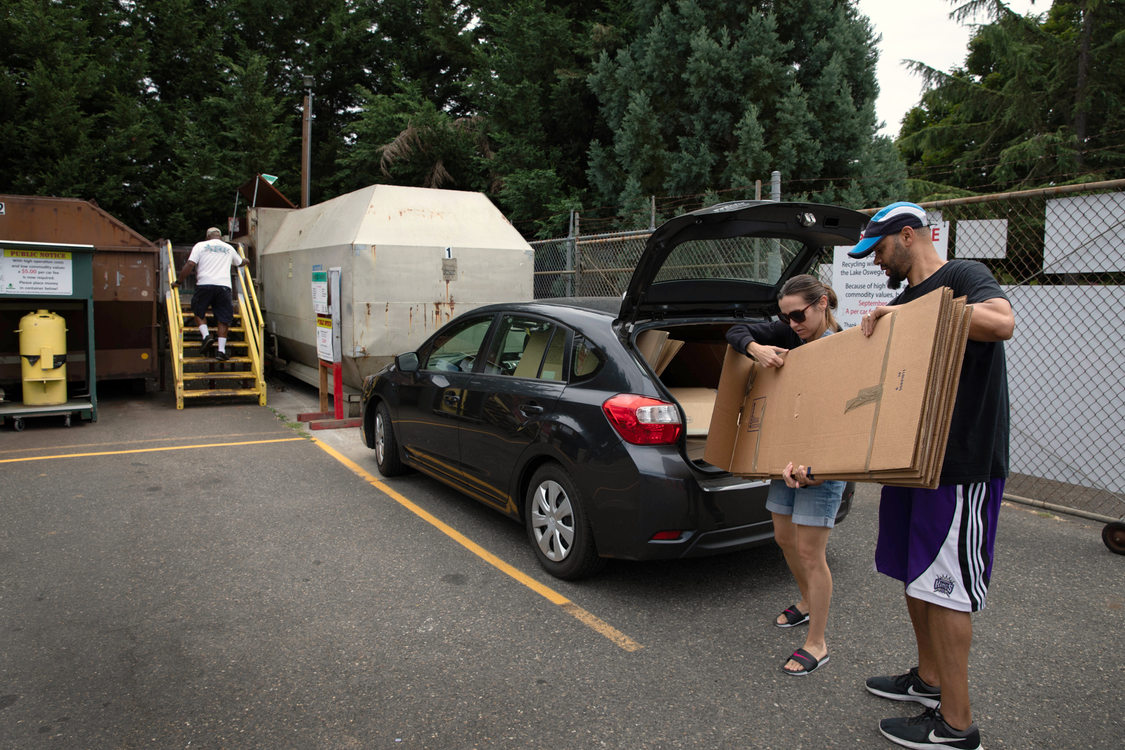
{"points": [[124, 269]]}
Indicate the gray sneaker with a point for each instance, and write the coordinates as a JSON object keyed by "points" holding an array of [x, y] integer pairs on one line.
{"points": [[929, 730], [905, 687]]}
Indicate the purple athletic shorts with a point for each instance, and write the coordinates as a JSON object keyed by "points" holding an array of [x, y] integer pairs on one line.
{"points": [[939, 542]]}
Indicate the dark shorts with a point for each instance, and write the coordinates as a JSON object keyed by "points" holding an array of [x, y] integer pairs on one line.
{"points": [[215, 297], [939, 542]]}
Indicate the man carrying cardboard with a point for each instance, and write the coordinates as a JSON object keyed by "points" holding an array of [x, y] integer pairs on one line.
{"points": [[939, 542]]}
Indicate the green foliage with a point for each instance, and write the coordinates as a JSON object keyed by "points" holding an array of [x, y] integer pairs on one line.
{"points": [[712, 94], [160, 109], [1037, 102]]}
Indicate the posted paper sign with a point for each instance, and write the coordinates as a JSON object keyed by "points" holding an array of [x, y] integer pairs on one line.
{"points": [[320, 290], [324, 338], [48, 272]]}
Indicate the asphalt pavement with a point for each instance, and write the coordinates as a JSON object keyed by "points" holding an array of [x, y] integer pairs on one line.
{"points": [[222, 577]]}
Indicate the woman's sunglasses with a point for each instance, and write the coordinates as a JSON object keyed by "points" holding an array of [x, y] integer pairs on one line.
{"points": [[797, 316]]}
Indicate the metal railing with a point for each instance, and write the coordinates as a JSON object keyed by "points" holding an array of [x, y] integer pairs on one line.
{"points": [[253, 325], [175, 323]]}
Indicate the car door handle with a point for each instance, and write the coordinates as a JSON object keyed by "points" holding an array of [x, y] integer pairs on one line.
{"points": [[531, 409]]}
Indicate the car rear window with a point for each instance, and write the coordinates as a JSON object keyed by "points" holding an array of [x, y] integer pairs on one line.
{"points": [[758, 259], [586, 360]]}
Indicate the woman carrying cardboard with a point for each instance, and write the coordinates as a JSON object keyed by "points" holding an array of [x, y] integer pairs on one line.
{"points": [[804, 509]]}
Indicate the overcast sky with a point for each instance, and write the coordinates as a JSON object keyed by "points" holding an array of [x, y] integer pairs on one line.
{"points": [[918, 30]]}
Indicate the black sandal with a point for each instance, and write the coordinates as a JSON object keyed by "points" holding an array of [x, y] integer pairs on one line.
{"points": [[808, 662], [793, 617]]}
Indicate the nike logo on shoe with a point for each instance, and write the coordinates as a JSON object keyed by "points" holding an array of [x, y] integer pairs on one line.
{"points": [[943, 740]]}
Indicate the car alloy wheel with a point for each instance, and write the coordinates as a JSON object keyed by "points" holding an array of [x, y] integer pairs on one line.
{"points": [[552, 521], [557, 525], [386, 446]]}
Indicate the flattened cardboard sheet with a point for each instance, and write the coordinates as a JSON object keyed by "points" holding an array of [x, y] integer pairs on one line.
{"points": [[849, 406]]}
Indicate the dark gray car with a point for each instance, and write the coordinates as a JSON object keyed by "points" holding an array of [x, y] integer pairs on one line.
{"points": [[548, 412]]}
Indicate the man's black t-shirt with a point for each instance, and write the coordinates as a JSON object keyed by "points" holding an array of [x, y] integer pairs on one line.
{"points": [[978, 436]]}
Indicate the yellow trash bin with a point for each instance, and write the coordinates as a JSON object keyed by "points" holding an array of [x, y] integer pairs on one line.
{"points": [[43, 358]]}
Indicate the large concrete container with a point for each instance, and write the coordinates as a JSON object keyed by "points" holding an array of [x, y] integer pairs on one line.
{"points": [[410, 258]]}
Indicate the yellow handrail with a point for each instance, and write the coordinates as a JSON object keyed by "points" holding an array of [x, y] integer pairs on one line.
{"points": [[176, 324], [253, 325]]}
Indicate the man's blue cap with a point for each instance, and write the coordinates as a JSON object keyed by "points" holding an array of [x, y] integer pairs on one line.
{"points": [[888, 221]]}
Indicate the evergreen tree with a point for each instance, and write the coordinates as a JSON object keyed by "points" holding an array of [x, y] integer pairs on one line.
{"points": [[712, 94], [1036, 102]]}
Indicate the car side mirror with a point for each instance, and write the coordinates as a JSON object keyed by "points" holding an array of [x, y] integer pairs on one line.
{"points": [[407, 362]]}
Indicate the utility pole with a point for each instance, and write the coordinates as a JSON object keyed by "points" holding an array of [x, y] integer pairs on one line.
{"points": [[306, 143]]}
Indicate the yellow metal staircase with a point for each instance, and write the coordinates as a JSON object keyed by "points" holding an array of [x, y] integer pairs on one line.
{"points": [[199, 377]]}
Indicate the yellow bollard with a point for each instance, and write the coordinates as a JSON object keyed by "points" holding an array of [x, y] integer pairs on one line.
{"points": [[43, 358]]}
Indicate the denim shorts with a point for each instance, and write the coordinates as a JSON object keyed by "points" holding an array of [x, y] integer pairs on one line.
{"points": [[809, 506]]}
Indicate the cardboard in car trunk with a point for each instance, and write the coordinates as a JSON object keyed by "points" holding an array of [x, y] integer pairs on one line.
{"points": [[849, 406], [698, 405]]}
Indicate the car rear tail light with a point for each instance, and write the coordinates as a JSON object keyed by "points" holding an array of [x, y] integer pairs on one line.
{"points": [[641, 420]]}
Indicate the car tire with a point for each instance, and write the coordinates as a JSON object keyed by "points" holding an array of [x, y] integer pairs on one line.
{"points": [[385, 444], [558, 527]]}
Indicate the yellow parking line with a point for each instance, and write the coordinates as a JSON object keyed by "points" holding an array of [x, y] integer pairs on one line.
{"points": [[588, 619], [146, 450]]}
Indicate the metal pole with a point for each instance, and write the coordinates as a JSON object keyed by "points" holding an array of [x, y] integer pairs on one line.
{"points": [[570, 243], [306, 143], [773, 257]]}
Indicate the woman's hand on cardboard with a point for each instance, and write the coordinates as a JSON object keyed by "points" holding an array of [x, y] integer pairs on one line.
{"points": [[800, 476], [767, 356]]}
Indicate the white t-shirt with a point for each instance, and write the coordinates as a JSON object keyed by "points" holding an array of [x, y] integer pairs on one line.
{"points": [[213, 259]]}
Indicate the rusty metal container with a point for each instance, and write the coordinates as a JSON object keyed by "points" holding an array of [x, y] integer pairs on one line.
{"points": [[410, 258], [125, 278]]}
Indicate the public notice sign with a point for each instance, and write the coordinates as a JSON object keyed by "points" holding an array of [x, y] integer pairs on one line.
{"points": [[324, 337], [30, 272]]}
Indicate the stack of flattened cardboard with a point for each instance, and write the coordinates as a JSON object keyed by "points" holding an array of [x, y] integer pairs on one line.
{"points": [[849, 406]]}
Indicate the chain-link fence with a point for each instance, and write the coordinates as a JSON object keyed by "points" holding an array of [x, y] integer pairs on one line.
{"points": [[1060, 255]]}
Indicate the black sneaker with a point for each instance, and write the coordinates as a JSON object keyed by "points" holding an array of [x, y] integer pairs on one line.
{"points": [[207, 345], [905, 687], [222, 356], [929, 730]]}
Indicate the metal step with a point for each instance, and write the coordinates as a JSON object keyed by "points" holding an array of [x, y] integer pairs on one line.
{"points": [[220, 393], [234, 360], [240, 375]]}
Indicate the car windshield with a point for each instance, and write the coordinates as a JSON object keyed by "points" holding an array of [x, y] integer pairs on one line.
{"points": [[758, 259]]}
